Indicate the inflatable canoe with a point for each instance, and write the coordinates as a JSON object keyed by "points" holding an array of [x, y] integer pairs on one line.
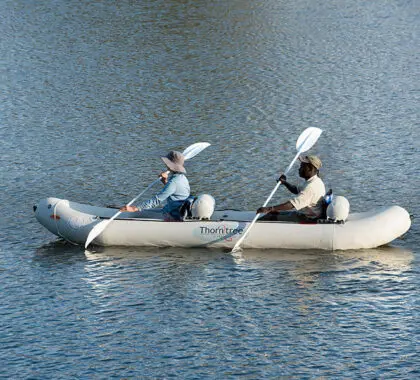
{"points": [[73, 222]]}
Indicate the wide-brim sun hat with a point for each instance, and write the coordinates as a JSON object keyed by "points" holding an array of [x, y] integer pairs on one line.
{"points": [[174, 160], [313, 160]]}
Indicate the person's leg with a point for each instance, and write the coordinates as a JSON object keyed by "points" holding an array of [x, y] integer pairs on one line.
{"points": [[284, 216], [153, 213], [172, 218]]}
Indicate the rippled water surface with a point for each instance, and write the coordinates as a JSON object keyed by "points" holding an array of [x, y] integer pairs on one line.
{"points": [[92, 92]]}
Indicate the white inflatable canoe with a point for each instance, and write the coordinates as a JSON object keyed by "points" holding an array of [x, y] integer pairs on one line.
{"points": [[73, 222]]}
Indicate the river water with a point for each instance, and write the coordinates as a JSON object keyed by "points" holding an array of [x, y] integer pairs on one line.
{"points": [[93, 92]]}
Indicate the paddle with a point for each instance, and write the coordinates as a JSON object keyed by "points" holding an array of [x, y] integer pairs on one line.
{"points": [[305, 142], [188, 153]]}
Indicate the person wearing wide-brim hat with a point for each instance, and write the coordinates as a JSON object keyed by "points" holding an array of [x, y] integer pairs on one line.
{"points": [[175, 191], [308, 204]]}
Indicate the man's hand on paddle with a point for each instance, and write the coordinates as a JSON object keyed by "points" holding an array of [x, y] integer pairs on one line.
{"points": [[282, 179]]}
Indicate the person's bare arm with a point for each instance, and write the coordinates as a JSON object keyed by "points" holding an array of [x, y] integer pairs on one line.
{"points": [[292, 188]]}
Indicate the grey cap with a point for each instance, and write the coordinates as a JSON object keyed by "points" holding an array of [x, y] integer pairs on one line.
{"points": [[174, 160]]}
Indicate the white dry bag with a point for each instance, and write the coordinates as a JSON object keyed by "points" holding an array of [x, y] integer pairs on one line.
{"points": [[339, 208], [203, 207]]}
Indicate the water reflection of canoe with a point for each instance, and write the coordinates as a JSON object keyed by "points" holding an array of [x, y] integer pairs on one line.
{"points": [[73, 221], [389, 259]]}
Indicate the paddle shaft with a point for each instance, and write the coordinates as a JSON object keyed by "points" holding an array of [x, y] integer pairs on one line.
{"points": [[239, 242], [138, 196]]}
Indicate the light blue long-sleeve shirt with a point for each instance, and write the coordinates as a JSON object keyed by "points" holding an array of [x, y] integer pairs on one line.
{"points": [[176, 191]]}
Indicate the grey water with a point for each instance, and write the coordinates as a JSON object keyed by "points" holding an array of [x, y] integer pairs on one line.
{"points": [[93, 92]]}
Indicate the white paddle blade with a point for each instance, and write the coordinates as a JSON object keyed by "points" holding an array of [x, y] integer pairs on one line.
{"points": [[307, 139], [96, 231], [194, 149]]}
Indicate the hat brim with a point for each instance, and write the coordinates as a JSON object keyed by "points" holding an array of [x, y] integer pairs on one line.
{"points": [[307, 161], [304, 159], [172, 166]]}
